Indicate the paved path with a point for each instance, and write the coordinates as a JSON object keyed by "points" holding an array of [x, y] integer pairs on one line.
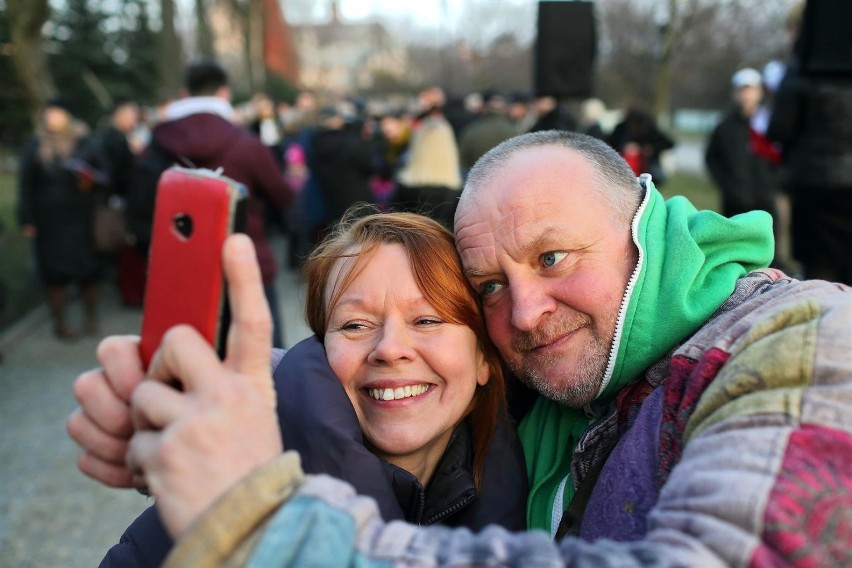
{"points": [[50, 514]]}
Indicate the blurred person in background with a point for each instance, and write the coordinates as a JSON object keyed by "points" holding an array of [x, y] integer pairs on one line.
{"points": [[342, 158], [430, 181], [58, 177], [486, 132], [812, 120], [267, 127], [641, 142], [520, 112], [591, 113], [199, 132], [744, 178], [119, 145], [552, 116]]}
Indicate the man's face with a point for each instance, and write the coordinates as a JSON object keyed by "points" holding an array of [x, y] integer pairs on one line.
{"points": [[551, 262]]}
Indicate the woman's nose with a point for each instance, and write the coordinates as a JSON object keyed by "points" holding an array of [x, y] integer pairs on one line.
{"points": [[394, 342]]}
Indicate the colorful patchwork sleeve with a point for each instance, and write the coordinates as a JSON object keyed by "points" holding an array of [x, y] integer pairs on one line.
{"points": [[757, 472]]}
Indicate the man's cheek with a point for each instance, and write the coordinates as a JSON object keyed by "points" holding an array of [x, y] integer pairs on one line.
{"points": [[499, 331]]}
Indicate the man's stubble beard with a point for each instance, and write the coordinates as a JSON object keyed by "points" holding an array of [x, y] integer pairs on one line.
{"points": [[574, 387]]}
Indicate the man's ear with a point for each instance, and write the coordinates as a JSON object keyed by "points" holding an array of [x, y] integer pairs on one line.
{"points": [[483, 371]]}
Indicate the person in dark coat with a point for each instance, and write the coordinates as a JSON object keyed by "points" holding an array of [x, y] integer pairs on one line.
{"points": [[812, 119], [341, 162], [492, 128], [744, 178], [640, 141], [199, 133], [329, 407], [115, 145], [552, 115], [59, 173]]}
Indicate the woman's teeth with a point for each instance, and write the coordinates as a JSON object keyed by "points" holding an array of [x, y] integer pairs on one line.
{"points": [[398, 393]]}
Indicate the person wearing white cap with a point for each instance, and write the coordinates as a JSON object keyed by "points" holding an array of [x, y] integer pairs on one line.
{"points": [[744, 179]]}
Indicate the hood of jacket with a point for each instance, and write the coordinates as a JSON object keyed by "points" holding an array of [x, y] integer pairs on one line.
{"points": [[197, 139], [688, 263]]}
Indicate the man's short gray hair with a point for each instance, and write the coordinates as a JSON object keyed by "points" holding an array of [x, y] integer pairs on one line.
{"points": [[618, 184]]}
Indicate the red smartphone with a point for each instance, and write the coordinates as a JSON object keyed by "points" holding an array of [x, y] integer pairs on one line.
{"points": [[195, 211]]}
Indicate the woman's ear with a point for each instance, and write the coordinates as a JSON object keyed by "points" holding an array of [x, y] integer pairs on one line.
{"points": [[483, 371]]}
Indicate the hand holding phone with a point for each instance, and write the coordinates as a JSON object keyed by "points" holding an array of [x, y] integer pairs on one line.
{"points": [[195, 211]]}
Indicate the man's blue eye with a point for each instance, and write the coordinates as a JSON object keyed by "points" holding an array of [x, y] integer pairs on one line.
{"points": [[489, 288], [552, 258]]}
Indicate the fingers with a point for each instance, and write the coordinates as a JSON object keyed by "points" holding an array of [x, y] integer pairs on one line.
{"points": [[93, 440], [184, 355], [120, 359], [143, 455], [107, 473], [155, 405], [250, 336], [101, 404]]}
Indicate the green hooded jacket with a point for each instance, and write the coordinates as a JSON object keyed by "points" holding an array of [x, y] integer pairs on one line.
{"points": [[688, 264]]}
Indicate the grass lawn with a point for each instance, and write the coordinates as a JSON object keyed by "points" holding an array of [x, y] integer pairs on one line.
{"points": [[697, 188], [19, 290]]}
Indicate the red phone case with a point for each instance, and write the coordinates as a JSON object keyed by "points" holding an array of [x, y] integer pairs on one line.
{"points": [[185, 284]]}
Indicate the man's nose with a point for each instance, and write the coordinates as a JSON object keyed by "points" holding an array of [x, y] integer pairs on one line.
{"points": [[531, 299], [393, 344]]}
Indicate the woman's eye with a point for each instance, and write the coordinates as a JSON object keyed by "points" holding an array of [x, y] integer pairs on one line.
{"points": [[553, 258], [429, 321], [352, 326]]}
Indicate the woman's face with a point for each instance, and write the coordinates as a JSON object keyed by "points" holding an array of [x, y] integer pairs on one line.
{"points": [[410, 375]]}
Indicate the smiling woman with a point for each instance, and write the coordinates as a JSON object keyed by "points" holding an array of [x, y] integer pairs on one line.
{"points": [[404, 335]]}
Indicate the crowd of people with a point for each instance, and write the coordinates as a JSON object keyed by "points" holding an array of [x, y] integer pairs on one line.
{"points": [[320, 158]]}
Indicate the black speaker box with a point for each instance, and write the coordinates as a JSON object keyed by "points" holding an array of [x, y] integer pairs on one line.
{"points": [[825, 39], [565, 48]]}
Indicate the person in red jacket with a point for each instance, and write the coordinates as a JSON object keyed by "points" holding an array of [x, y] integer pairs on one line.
{"points": [[198, 132]]}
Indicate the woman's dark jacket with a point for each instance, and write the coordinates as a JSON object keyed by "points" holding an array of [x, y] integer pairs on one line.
{"points": [[52, 199], [319, 422]]}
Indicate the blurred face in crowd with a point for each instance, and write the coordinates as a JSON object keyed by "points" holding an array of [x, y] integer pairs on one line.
{"points": [[126, 117], [56, 119], [748, 98], [541, 246], [410, 374]]}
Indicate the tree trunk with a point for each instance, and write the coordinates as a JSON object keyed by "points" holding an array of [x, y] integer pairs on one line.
{"points": [[257, 67], [671, 33], [203, 34], [171, 54], [26, 18]]}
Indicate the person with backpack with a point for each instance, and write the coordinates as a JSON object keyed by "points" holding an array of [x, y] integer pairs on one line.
{"points": [[198, 132]]}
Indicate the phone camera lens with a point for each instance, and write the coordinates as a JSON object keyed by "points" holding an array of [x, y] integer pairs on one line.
{"points": [[183, 224]]}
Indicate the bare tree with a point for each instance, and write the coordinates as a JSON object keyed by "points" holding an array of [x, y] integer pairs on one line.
{"points": [[203, 34], [171, 53], [683, 53], [26, 18]]}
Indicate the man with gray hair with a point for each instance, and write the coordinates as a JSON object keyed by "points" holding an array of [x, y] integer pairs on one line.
{"points": [[693, 407]]}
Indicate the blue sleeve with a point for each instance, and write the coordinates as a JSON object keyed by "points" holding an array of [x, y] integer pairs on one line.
{"points": [[144, 544]]}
